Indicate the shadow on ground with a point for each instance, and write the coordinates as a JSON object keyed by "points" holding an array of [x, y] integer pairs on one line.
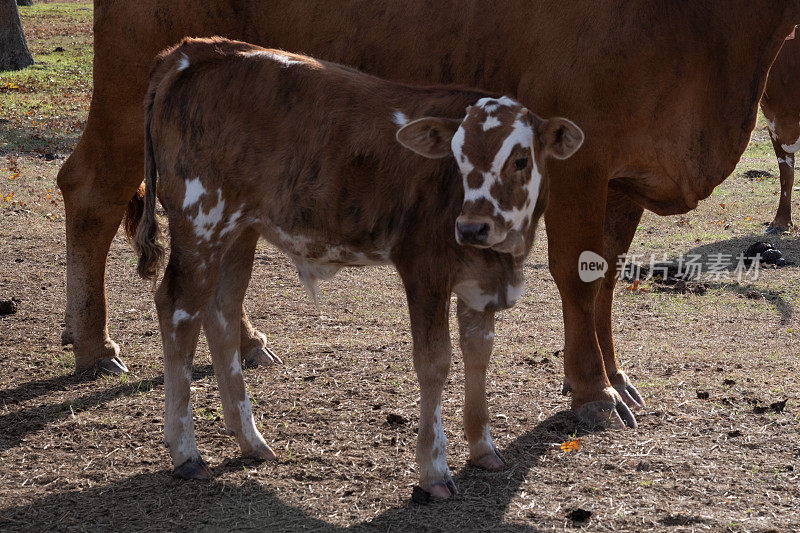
{"points": [[15, 425], [158, 501], [732, 248]]}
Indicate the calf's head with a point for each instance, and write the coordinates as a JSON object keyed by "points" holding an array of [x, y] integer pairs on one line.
{"points": [[500, 148]]}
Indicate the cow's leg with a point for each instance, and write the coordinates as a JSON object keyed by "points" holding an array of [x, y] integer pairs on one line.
{"points": [[97, 184], [574, 223], [622, 219], [429, 305], [476, 336], [180, 301], [222, 324], [253, 345], [97, 181], [783, 217]]}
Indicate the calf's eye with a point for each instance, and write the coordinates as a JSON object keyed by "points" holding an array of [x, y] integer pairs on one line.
{"points": [[521, 164]]}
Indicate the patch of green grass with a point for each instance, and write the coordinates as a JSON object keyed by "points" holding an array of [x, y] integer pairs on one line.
{"points": [[44, 105]]}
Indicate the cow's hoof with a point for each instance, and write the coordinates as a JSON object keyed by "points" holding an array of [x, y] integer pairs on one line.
{"points": [[441, 490], [111, 366], [605, 414], [491, 461], [261, 356], [263, 453], [627, 391], [193, 469], [103, 361], [776, 229]]}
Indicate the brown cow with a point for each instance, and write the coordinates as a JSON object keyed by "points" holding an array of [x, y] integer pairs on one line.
{"points": [[250, 141], [781, 107], [666, 92]]}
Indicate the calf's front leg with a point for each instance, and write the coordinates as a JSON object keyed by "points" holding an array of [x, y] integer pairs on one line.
{"points": [[429, 329], [476, 336]]}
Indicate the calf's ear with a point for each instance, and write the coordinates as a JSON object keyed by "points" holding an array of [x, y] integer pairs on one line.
{"points": [[559, 136], [429, 136]]}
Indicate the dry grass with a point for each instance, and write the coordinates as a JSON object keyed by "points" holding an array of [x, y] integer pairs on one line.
{"points": [[89, 455]]}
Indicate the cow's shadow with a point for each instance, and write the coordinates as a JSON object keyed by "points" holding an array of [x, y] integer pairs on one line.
{"points": [[157, 500], [731, 249]]}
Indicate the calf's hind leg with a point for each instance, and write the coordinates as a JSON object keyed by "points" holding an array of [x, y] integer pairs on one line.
{"points": [[180, 302], [222, 332], [476, 336]]}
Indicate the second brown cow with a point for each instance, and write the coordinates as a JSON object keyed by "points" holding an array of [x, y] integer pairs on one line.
{"points": [[337, 168]]}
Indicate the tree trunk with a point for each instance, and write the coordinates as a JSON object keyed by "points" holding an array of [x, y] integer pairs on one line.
{"points": [[14, 53], [24, 2]]}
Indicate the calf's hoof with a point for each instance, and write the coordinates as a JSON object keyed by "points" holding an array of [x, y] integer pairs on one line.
{"points": [[193, 469], [607, 414], [264, 453], [261, 356], [492, 461], [440, 490]]}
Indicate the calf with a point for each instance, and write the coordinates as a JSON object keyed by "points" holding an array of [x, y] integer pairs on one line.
{"points": [[781, 107], [319, 159]]}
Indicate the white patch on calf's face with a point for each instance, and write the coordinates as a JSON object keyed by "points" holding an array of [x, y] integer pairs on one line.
{"points": [[490, 122], [490, 105], [457, 146], [183, 62]]}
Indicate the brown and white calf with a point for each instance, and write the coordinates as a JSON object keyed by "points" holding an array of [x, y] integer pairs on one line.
{"points": [[319, 159], [781, 107]]}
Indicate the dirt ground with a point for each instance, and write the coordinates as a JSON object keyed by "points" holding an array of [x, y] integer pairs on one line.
{"points": [[716, 449]]}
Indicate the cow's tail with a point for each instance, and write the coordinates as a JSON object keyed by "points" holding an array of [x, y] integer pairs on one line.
{"points": [[133, 213], [145, 242]]}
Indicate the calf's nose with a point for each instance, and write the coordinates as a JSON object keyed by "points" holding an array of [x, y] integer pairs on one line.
{"points": [[472, 232]]}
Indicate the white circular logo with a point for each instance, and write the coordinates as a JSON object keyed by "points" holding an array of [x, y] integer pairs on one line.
{"points": [[591, 266]]}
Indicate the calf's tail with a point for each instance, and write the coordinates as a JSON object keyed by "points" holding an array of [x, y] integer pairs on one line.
{"points": [[145, 243]]}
